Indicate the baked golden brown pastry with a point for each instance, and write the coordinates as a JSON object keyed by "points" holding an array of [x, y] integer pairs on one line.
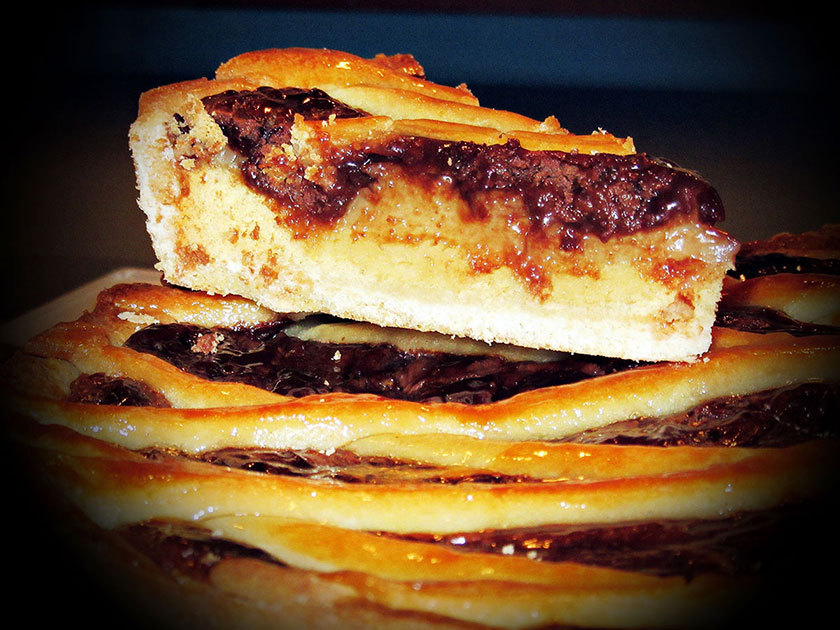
{"points": [[231, 459], [287, 443], [317, 181]]}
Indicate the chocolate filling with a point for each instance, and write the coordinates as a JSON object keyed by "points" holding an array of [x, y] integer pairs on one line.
{"points": [[339, 465], [565, 195], [742, 544], [745, 543], [775, 418], [264, 356], [186, 550], [754, 265], [101, 389], [761, 319]]}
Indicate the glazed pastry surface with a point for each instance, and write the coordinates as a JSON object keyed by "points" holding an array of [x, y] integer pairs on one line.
{"points": [[643, 497]]}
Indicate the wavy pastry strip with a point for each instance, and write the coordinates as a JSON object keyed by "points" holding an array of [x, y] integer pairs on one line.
{"points": [[117, 487], [329, 421]]}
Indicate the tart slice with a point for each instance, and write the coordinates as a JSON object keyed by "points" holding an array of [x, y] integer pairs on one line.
{"points": [[317, 181]]}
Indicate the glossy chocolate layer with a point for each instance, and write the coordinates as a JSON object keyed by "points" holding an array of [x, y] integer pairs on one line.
{"points": [[565, 195], [742, 544], [760, 319], [257, 123], [268, 358], [748, 265], [338, 465], [186, 550], [101, 389], [774, 418]]}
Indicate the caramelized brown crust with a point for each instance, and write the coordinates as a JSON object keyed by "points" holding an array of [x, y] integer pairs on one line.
{"points": [[390, 550]]}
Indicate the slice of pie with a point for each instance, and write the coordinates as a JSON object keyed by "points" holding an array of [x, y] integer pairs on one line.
{"points": [[316, 181]]}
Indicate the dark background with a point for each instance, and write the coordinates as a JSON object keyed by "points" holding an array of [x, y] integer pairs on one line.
{"points": [[741, 97]]}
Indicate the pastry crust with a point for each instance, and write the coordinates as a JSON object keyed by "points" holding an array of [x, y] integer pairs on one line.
{"points": [[640, 493], [385, 544], [415, 252]]}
